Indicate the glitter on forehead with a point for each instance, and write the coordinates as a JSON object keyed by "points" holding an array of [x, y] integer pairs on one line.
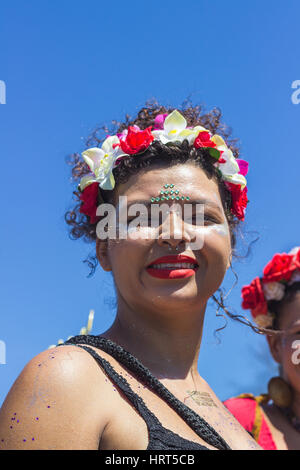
{"points": [[169, 193]]}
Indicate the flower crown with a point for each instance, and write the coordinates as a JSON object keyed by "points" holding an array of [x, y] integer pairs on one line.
{"points": [[281, 271], [168, 128]]}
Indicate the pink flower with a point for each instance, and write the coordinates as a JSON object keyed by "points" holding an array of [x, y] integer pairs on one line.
{"points": [[159, 121], [243, 166]]}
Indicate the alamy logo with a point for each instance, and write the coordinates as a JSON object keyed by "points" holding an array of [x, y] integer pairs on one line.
{"points": [[115, 224], [2, 92], [296, 354], [2, 352], [296, 95]]}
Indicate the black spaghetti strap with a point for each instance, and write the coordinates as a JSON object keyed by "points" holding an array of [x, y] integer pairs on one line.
{"points": [[196, 422], [159, 438], [122, 384]]}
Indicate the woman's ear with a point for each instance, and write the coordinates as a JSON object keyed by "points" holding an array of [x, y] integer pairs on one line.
{"points": [[229, 260], [102, 254], [275, 345]]}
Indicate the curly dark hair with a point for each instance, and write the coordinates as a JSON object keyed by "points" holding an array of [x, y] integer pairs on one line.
{"points": [[156, 154]]}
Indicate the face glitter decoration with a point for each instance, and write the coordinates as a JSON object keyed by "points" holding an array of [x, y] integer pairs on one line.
{"points": [[220, 229], [169, 193]]}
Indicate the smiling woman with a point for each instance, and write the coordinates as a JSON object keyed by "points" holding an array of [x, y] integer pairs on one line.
{"points": [[147, 392]]}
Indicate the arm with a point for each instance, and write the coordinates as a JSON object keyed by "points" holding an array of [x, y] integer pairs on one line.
{"points": [[55, 403]]}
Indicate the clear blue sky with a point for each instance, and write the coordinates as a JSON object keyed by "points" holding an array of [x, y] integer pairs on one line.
{"points": [[69, 66]]}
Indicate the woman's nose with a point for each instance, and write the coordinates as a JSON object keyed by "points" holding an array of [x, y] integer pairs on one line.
{"points": [[172, 231]]}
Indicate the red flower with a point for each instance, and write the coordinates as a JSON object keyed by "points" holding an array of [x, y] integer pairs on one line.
{"points": [[136, 141], [297, 259], [89, 197], [279, 268], [239, 200], [254, 299], [261, 309], [203, 140]]}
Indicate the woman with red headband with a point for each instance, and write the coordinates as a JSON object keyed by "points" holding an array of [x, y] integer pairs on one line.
{"points": [[274, 300]]}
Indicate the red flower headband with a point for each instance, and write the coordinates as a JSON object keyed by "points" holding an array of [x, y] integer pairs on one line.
{"points": [[282, 270], [134, 141]]}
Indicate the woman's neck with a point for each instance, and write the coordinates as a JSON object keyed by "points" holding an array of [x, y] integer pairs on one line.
{"points": [[168, 347]]}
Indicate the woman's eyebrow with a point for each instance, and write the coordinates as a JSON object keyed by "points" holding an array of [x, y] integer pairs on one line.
{"points": [[207, 202]]}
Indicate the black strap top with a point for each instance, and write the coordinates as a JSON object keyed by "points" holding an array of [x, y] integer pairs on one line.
{"points": [[160, 438]]}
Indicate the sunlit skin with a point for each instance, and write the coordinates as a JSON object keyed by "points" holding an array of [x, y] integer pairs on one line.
{"points": [[159, 321], [285, 436]]}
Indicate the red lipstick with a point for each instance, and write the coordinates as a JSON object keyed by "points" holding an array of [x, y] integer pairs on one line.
{"points": [[172, 272]]}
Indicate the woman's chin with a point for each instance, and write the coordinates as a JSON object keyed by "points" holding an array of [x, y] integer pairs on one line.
{"points": [[174, 300]]}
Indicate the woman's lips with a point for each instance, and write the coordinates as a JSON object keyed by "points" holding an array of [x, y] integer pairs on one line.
{"points": [[157, 268]]}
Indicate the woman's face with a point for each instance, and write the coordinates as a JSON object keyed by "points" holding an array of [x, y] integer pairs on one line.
{"points": [[129, 258], [286, 348]]}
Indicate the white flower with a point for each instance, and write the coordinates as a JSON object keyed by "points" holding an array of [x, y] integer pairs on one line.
{"points": [[175, 130], [295, 250], [86, 180], [273, 290], [230, 169], [264, 321], [235, 179], [101, 162]]}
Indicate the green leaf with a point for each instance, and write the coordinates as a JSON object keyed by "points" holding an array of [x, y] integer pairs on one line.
{"points": [[214, 153]]}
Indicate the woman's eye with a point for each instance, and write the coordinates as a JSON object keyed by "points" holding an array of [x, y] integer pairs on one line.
{"points": [[210, 219], [204, 219], [199, 220]]}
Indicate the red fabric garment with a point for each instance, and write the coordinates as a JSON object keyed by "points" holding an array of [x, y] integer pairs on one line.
{"points": [[244, 410]]}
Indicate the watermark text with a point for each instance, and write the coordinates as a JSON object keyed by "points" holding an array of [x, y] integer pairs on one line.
{"points": [[2, 92], [2, 352], [296, 353], [296, 94]]}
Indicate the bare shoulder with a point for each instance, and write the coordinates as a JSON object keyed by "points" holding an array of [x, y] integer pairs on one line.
{"points": [[57, 402]]}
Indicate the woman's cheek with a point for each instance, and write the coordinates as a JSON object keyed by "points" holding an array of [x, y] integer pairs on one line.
{"points": [[215, 238]]}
